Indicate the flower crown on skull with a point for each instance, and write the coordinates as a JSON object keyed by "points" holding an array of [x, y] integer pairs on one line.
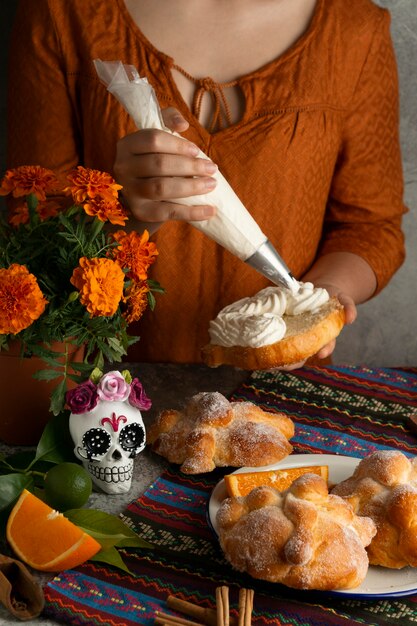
{"points": [[114, 386]]}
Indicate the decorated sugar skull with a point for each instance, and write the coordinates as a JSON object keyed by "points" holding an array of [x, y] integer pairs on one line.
{"points": [[107, 428]]}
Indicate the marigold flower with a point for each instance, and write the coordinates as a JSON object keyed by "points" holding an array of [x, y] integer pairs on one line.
{"points": [[136, 301], [21, 300], [45, 209], [88, 183], [106, 210], [27, 179], [100, 283], [135, 253]]}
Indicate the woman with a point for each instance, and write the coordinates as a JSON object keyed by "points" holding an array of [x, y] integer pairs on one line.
{"points": [[296, 102]]}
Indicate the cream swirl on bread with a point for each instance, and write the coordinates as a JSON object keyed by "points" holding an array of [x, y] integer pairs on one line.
{"points": [[258, 320]]}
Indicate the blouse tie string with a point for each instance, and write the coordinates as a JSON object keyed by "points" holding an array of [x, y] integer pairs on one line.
{"points": [[221, 109]]}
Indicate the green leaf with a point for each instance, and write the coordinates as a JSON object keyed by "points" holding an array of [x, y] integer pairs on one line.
{"points": [[96, 375], [11, 486], [55, 444], [151, 300], [84, 368], [107, 529], [99, 361], [111, 557], [46, 374], [116, 346], [58, 398], [155, 286]]}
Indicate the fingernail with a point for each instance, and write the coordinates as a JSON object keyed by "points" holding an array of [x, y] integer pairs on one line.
{"points": [[210, 167], [208, 211], [193, 149], [177, 119], [210, 183], [202, 212]]}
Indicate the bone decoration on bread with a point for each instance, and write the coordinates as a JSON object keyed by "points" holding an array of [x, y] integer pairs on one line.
{"points": [[303, 537], [384, 487], [212, 432], [276, 327]]}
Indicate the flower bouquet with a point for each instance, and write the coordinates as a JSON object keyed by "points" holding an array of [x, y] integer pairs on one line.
{"points": [[65, 277]]}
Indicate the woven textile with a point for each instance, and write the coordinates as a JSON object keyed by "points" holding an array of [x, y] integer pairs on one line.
{"points": [[344, 410]]}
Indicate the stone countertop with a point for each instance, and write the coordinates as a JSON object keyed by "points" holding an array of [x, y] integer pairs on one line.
{"points": [[168, 386]]}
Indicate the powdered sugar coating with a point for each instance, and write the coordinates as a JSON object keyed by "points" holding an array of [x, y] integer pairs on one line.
{"points": [[212, 432], [309, 541], [384, 487]]}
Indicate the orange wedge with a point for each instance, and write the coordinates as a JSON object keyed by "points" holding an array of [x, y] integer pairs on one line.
{"points": [[242, 484], [44, 538]]}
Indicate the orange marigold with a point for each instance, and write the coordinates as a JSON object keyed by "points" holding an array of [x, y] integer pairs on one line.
{"points": [[88, 183], [45, 210], [136, 301], [21, 300], [106, 210], [27, 179], [100, 283], [135, 252]]}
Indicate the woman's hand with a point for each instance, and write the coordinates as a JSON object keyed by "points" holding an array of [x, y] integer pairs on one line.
{"points": [[350, 316], [155, 167], [347, 276]]}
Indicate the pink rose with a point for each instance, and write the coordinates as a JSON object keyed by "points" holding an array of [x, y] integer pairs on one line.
{"points": [[138, 397], [83, 398], [113, 387]]}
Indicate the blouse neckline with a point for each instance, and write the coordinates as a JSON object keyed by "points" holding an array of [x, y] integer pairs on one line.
{"points": [[292, 51], [167, 63]]}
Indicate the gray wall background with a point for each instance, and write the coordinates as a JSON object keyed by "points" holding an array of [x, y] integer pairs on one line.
{"points": [[385, 333]]}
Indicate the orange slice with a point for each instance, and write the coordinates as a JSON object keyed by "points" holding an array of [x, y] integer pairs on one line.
{"points": [[44, 538], [242, 484]]}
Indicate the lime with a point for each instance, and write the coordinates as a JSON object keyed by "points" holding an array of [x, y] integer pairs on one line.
{"points": [[67, 486]]}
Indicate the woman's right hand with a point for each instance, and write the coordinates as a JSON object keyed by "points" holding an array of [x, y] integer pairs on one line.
{"points": [[155, 167]]}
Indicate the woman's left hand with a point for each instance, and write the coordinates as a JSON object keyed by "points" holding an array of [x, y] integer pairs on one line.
{"points": [[350, 316]]}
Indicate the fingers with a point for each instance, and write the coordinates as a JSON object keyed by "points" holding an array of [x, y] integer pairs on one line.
{"points": [[293, 366], [149, 141], [157, 164], [327, 350], [174, 120], [150, 211], [349, 305], [155, 168], [287, 368], [167, 176], [162, 188], [344, 299]]}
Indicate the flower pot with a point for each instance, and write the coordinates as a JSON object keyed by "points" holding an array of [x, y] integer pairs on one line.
{"points": [[24, 401]]}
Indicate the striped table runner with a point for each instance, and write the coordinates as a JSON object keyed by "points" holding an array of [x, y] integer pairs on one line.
{"points": [[337, 410]]}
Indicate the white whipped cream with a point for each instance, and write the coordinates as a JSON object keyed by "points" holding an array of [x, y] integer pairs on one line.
{"points": [[308, 298], [258, 321]]}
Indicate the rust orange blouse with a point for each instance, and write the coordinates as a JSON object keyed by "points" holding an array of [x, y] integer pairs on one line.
{"points": [[315, 158]]}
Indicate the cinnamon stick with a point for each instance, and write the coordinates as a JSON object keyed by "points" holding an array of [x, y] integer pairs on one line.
{"points": [[161, 618], [219, 607], [226, 609], [241, 607], [247, 621], [222, 606], [207, 616]]}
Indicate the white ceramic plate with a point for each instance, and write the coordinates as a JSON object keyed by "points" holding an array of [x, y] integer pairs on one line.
{"points": [[380, 581]]}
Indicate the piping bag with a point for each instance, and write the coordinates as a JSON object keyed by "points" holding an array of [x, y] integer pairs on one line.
{"points": [[232, 227]]}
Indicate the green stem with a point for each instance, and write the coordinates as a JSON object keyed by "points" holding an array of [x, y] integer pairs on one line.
{"points": [[28, 472], [36, 473]]}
